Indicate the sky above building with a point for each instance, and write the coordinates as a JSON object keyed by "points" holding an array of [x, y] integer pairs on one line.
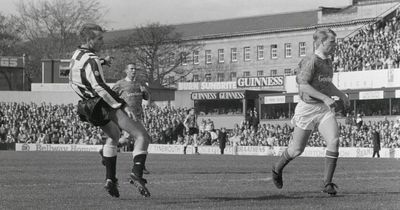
{"points": [[124, 14]]}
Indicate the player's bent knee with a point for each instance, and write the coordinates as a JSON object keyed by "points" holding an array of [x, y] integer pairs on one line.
{"points": [[295, 152], [142, 136], [110, 141], [333, 144]]}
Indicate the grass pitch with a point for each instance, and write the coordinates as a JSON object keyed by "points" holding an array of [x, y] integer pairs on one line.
{"points": [[73, 180]]}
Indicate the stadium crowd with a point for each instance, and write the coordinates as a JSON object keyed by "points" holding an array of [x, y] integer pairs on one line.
{"points": [[59, 124], [375, 46]]}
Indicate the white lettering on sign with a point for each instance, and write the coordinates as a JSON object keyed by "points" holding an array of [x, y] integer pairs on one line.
{"points": [[366, 95], [231, 95], [216, 95], [204, 96], [217, 85], [274, 99], [8, 62], [57, 147], [207, 85], [188, 86], [260, 81]]}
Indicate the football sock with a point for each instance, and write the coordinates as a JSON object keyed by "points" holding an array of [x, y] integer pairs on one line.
{"points": [[138, 164], [184, 150], [283, 161], [330, 165], [110, 160]]}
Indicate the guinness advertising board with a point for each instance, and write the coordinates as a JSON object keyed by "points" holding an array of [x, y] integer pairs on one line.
{"points": [[225, 95], [260, 82]]}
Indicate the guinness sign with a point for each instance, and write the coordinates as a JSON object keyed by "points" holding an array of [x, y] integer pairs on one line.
{"points": [[259, 82], [227, 95]]}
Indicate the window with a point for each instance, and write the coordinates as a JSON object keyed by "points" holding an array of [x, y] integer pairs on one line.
{"points": [[274, 51], [195, 78], [208, 56], [182, 79], [288, 50], [64, 69], [234, 54], [184, 59], [232, 76], [246, 74], [273, 72], [220, 55], [302, 49], [196, 57], [246, 51], [260, 73], [220, 77], [288, 72], [208, 77], [260, 52]]}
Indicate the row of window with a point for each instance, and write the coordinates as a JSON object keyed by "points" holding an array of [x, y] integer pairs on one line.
{"points": [[260, 53], [220, 77]]}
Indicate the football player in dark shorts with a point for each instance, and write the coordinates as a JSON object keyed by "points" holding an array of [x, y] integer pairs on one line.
{"points": [[192, 130], [101, 106], [315, 109]]}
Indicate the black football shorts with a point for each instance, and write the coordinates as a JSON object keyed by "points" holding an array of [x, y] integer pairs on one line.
{"points": [[193, 131], [95, 111]]}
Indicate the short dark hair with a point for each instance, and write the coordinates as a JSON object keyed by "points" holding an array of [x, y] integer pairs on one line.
{"points": [[321, 34], [87, 31]]}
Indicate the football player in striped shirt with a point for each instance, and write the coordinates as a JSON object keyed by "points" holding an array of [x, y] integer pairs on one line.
{"points": [[192, 130], [101, 106]]}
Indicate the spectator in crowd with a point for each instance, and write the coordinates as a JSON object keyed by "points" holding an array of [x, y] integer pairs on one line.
{"points": [[375, 46], [222, 139], [376, 141], [38, 122], [3, 133], [359, 121]]}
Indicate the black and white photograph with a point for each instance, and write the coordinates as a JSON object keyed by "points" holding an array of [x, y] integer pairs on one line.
{"points": [[199, 104]]}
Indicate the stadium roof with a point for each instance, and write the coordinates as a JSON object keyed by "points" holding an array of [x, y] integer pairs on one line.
{"points": [[238, 25], [249, 24], [351, 14]]}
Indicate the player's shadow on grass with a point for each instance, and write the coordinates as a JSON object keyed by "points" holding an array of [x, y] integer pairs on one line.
{"points": [[258, 198], [224, 172], [302, 195]]}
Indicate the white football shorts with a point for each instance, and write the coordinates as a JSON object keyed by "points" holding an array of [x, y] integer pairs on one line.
{"points": [[307, 116]]}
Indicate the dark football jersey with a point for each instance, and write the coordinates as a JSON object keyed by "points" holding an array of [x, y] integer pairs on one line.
{"points": [[132, 94], [318, 73]]}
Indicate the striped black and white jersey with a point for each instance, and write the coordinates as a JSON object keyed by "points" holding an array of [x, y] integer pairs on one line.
{"points": [[87, 80]]}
